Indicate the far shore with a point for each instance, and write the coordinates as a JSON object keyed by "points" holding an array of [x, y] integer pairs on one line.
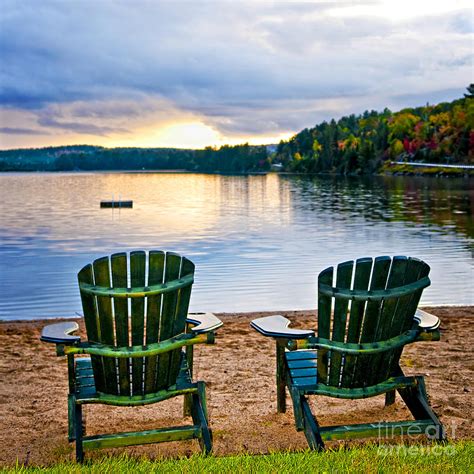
{"points": [[390, 170], [239, 371]]}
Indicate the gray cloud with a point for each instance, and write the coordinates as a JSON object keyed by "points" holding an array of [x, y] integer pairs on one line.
{"points": [[78, 127], [245, 67], [417, 99], [22, 131]]}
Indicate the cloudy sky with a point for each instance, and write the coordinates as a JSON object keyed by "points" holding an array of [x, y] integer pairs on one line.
{"points": [[190, 74]]}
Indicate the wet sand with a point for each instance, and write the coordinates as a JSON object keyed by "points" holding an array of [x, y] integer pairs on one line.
{"points": [[239, 370]]}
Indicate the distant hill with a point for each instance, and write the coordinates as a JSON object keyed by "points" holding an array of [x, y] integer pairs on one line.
{"points": [[227, 159], [43, 159]]}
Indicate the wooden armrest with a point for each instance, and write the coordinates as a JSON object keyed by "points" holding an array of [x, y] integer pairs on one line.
{"points": [[156, 348], [60, 333], [277, 326], [205, 322], [426, 321], [355, 348]]}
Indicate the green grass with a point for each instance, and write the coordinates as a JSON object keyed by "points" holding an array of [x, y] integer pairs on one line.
{"points": [[434, 458]]}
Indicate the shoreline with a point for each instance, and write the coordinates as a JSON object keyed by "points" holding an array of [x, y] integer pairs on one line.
{"points": [[386, 170], [239, 371], [222, 314]]}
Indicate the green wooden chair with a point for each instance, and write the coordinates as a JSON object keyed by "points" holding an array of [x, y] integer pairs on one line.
{"points": [[367, 313], [136, 317]]}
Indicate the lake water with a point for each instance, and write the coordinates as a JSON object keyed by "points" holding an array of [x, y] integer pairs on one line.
{"points": [[258, 241]]}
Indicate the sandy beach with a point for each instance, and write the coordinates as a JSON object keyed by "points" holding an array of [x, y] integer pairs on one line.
{"points": [[239, 370]]}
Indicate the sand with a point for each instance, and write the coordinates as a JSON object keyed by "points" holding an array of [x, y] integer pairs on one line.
{"points": [[239, 371]]}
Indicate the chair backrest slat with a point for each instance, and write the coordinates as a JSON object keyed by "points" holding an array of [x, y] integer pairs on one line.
{"points": [[91, 320], [137, 278], [343, 280], [138, 320], [324, 323], [118, 263], [363, 319], [373, 308], [156, 268], [106, 324]]}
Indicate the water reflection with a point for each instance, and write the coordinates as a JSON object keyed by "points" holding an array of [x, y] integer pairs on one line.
{"points": [[447, 204], [258, 241]]}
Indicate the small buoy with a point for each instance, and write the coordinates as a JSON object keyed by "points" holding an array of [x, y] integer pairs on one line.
{"points": [[119, 204]]}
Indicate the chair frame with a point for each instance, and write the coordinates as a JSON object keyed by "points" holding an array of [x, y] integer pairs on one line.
{"points": [[297, 369], [199, 328]]}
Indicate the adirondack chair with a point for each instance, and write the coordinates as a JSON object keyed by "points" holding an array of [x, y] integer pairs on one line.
{"points": [[364, 321], [136, 317]]}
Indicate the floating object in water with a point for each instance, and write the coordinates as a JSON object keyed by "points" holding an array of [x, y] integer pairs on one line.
{"points": [[119, 203]]}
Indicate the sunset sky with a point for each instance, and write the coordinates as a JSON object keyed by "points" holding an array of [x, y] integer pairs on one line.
{"points": [[191, 74]]}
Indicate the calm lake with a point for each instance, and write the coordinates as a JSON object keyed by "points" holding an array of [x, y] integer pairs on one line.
{"points": [[258, 242]]}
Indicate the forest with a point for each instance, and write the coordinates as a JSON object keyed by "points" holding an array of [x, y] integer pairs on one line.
{"points": [[361, 144], [352, 145]]}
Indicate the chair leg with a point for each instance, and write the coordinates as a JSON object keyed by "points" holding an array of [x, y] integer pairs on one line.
{"points": [[71, 398], [297, 408], [200, 417], [71, 426], [311, 427], [188, 401], [280, 376], [79, 433], [390, 398], [416, 399]]}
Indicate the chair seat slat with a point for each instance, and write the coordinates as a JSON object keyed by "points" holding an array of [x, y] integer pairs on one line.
{"points": [[302, 364], [300, 355]]}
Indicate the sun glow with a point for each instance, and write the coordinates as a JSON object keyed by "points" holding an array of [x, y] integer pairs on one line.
{"points": [[187, 135], [192, 135], [199, 135]]}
